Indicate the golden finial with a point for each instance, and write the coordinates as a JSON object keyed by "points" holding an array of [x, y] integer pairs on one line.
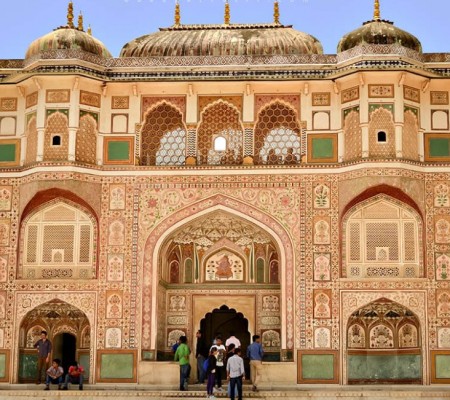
{"points": [[70, 15], [376, 11], [89, 31], [227, 13], [80, 22], [177, 13], [276, 12]]}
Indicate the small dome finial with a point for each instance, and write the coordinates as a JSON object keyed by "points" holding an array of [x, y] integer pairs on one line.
{"points": [[376, 11], [80, 22], [227, 13], [70, 15], [276, 12], [89, 31], [177, 13]]}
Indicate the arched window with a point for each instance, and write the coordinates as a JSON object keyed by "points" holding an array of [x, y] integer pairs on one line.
{"points": [[58, 242], [382, 239]]}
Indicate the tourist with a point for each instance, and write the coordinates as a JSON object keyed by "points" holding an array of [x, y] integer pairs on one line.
{"points": [[233, 339], [201, 354], [221, 355], [255, 353], [54, 374], [211, 372], [182, 355], [44, 348], [74, 375], [235, 374]]}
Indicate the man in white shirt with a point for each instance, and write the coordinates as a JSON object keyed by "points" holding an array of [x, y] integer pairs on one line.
{"points": [[233, 339], [235, 373]]}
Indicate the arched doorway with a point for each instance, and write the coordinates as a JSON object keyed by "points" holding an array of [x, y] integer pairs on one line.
{"points": [[384, 345], [225, 322], [68, 329]]}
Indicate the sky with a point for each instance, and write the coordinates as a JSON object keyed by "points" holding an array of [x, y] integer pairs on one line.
{"points": [[116, 22]]}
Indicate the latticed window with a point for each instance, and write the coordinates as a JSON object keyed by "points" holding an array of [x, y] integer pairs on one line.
{"points": [[277, 136], [57, 239], [163, 137], [382, 240], [220, 136]]}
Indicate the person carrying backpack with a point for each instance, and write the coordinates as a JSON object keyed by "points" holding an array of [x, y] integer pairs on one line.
{"points": [[182, 355], [210, 364]]}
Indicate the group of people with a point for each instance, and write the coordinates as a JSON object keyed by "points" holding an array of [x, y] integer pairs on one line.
{"points": [[218, 360], [55, 374]]}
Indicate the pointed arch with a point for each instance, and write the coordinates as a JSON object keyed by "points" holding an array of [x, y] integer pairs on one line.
{"points": [[56, 137], [220, 121], [382, 121], [163, 135], [278, 135], [245, 211], [86, 142]]}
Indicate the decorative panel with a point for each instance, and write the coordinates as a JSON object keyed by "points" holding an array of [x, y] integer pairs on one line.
{"points": [[321, 99], [350, 94], [321, 120], [90, 99], [322, 148], [440, 366], [7, 125], [120, 102], [381, 91], [9, 153], [205, 101], [119, 123], [439, 120], [57, 96], [439, 98], [411, 93], [290, 100], [118, 150], [8, 104], [150, 102], [31, 100]]}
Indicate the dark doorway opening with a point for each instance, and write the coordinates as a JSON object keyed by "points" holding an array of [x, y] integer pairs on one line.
{"points": [[223, 321], [64, 348]]}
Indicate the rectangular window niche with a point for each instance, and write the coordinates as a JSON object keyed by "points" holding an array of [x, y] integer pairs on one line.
{"points": [[440, 366], [10, 153], [322, 148], [118, 150], [317, 366], [117, 366], [437, 147]]}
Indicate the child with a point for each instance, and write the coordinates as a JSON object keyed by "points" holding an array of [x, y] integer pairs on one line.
{"points": [[54, 374], [211, 372], [75, 375]]}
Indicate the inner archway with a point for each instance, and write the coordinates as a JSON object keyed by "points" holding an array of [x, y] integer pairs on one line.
{"points": [[68, 329]]}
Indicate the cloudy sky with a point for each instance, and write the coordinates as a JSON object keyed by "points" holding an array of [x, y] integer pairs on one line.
{"points": [[115, 22]]}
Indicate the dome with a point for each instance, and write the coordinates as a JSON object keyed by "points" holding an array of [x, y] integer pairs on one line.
{"points": [[65, 38], [379, 31], [223, 40]]}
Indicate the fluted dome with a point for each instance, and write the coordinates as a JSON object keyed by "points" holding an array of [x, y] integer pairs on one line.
{"points": [[379, 31], [223, 40], [66, 38]]}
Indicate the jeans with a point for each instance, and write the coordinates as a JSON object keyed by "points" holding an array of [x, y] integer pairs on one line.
{"points": [[185, 371], [73, 379], [200, 372], [236, 383], [57, 381], [210, 384]]}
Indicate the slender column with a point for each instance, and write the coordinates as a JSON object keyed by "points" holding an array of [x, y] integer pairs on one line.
{"points": [[72, 143], [341, 146], [40, 144], [365, 140], [399, 139]]}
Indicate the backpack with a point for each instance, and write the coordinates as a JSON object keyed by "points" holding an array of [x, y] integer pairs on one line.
{"points": [[206, 365]]}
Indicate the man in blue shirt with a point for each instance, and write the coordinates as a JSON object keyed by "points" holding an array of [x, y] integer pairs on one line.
{"points": [[235, 373], [255, 353]]}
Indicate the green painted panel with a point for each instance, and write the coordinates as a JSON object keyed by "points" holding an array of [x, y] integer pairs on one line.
{"points": [[8, 152], [3, 365], [28, 366], [442, 366], [117, 366], [322, 148], [385, 367], [118, 151], [188, 271], [260, 270], [84, 361], [317, 366], [439, 147]]}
